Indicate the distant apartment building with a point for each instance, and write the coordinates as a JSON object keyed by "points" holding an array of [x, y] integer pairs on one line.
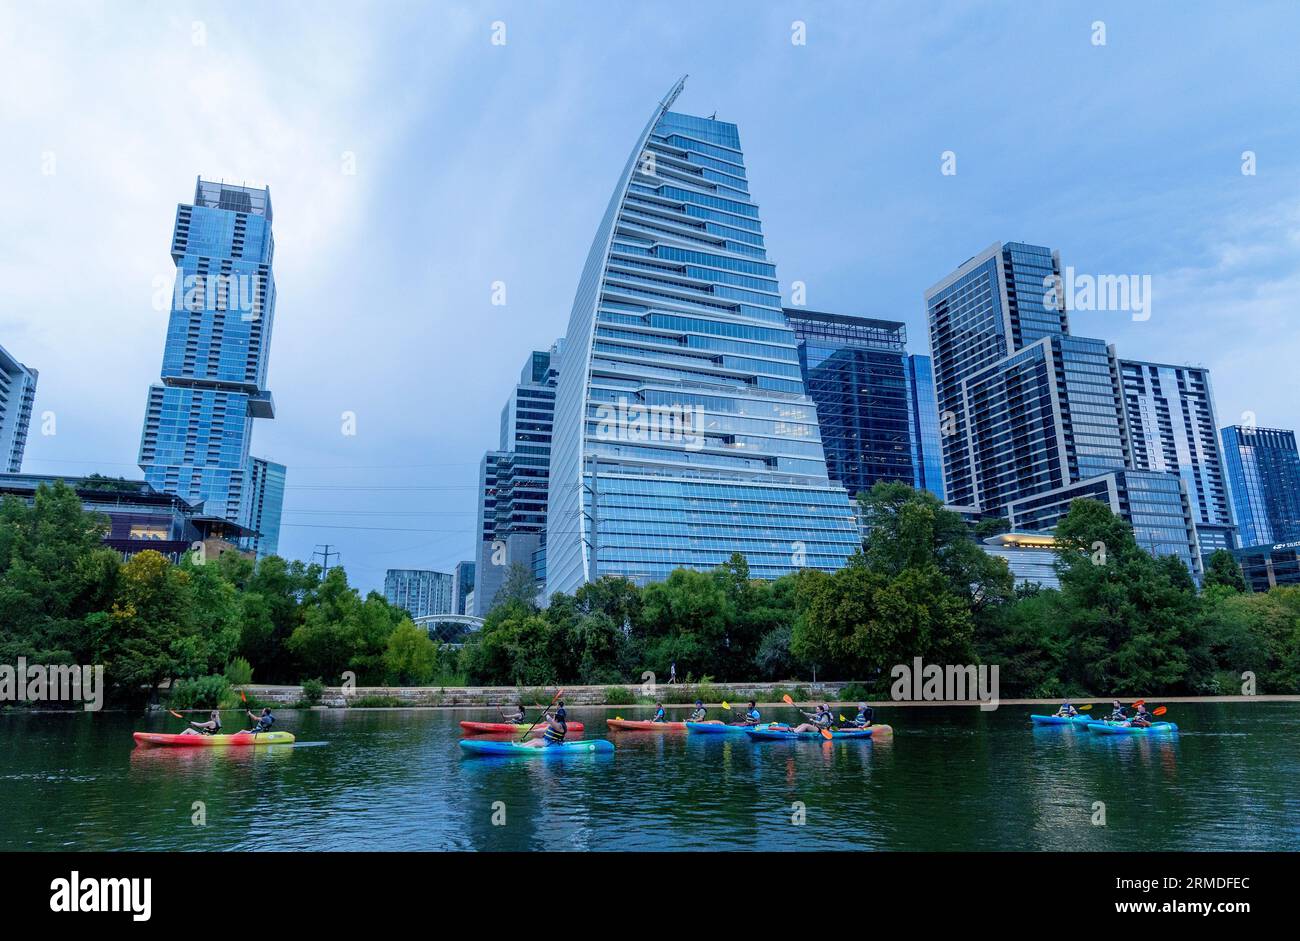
{"points": [[265, 505], [927, 450], [1263, 472], [17, 396], [1172, 428], [419, 591], [199, 417]]}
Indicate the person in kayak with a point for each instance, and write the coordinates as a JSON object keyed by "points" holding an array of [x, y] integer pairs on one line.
{"points": [[557, 726], [263, 722], [211, 727], [1067, 710], [752, 715], [1141, 719], [660, 715], [515, 718], [698, 713], [1117, 712], [821, 719], [864, 717]]}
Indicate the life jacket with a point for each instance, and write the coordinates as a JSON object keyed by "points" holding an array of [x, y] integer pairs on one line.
{"points": [[659, 716], [698, 714], [753, 715], [863, 718]]}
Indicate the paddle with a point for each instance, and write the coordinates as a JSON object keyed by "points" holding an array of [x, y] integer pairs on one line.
{"points": [[176, 714], [1159, 710], [1086, 707], [543, 715]]}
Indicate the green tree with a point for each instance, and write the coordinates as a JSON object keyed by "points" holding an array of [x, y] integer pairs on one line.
{"points": [[410, 657], [1221, 569]]}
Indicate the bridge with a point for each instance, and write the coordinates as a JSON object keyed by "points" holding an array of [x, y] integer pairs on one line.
{"points": [[449, 628]]}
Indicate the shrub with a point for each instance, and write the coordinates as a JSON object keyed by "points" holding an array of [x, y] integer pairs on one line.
{"points": [[239, 672], [204, 692], [618, 696], [312, 691], [854, 691]]}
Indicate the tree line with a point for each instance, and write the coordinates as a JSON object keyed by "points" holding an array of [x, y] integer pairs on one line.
{"points": [[1122, 621]]}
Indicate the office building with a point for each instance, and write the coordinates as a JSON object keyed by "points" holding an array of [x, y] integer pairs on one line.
{"points": [[927, 451], [683, 431], [1263, 472], [462, 588], [17, 396]]}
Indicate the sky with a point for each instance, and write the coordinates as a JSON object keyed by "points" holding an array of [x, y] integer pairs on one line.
{"points": [[415, 158]]}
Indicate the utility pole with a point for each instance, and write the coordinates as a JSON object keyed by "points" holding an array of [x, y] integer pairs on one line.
{"points": [[325, 552]]}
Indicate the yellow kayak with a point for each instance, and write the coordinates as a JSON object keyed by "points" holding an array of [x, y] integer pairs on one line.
{"points": [[199, 741]]}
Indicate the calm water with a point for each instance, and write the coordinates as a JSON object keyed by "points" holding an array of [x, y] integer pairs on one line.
{"points": [[951, 779]]}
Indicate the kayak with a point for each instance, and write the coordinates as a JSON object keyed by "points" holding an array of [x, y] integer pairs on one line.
{"points": [[193, 741], [1063, 720], [789, 735], [720, 728], [640, 725], [1109, 728], [478, 728], [595, 745]]}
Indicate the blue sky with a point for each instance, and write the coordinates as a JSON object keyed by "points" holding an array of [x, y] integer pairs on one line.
{"points": [[478, 163]]}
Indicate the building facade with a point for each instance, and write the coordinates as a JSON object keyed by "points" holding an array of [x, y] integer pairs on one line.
{"points": [[1172, 428], [927, 450], [1263, 472], [1268, 566], [419, 591], [17, 398], [199, 417], [683, 431], [462, 588], [855, 371], [265, 505]]}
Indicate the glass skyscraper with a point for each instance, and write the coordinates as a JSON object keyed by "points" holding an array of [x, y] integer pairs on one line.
{"points": [[855, 371], [927, 452], [513, 481], [1172, 428], [683, 432], [265, 505], [1263, 470], [17, 396], [199, 419]]}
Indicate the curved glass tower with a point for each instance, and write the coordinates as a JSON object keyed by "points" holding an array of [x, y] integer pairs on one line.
{"points": [[682, 429]]}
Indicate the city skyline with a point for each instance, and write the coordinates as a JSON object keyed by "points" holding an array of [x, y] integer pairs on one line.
{"points": [[1224, 269]]}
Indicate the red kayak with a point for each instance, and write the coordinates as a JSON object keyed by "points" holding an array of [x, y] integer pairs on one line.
{"points": [[480, 728], [211, 741], [644, 725]]}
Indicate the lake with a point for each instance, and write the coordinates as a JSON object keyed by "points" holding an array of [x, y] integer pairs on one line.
{"points": [[950, 779]]}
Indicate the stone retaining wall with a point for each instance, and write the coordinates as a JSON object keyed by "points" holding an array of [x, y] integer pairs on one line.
{"points": [[452, 696]]}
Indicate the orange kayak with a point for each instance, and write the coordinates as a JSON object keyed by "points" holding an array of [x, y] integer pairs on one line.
{"points": [[644, 725], [480, 728]]}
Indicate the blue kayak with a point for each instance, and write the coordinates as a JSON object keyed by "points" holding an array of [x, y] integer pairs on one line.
{"points": [[789, 735], [1062, 720], [718, 728], [580, 747], [1116, 728]]}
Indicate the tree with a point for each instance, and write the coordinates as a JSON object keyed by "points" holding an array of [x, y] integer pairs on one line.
{"points": [[519, 586], [410, 657], [1222, 570]]}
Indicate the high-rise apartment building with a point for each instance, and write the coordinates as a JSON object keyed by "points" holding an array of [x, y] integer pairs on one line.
{"points": [[265, 505], [927, 451], [17, 397], [462, 588], [1172, 428], [683, 431], [1263, 471], [199, 418]]}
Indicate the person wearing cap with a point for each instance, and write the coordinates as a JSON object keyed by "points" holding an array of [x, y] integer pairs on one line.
{"points": [[864, 717], [698, 713]]}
